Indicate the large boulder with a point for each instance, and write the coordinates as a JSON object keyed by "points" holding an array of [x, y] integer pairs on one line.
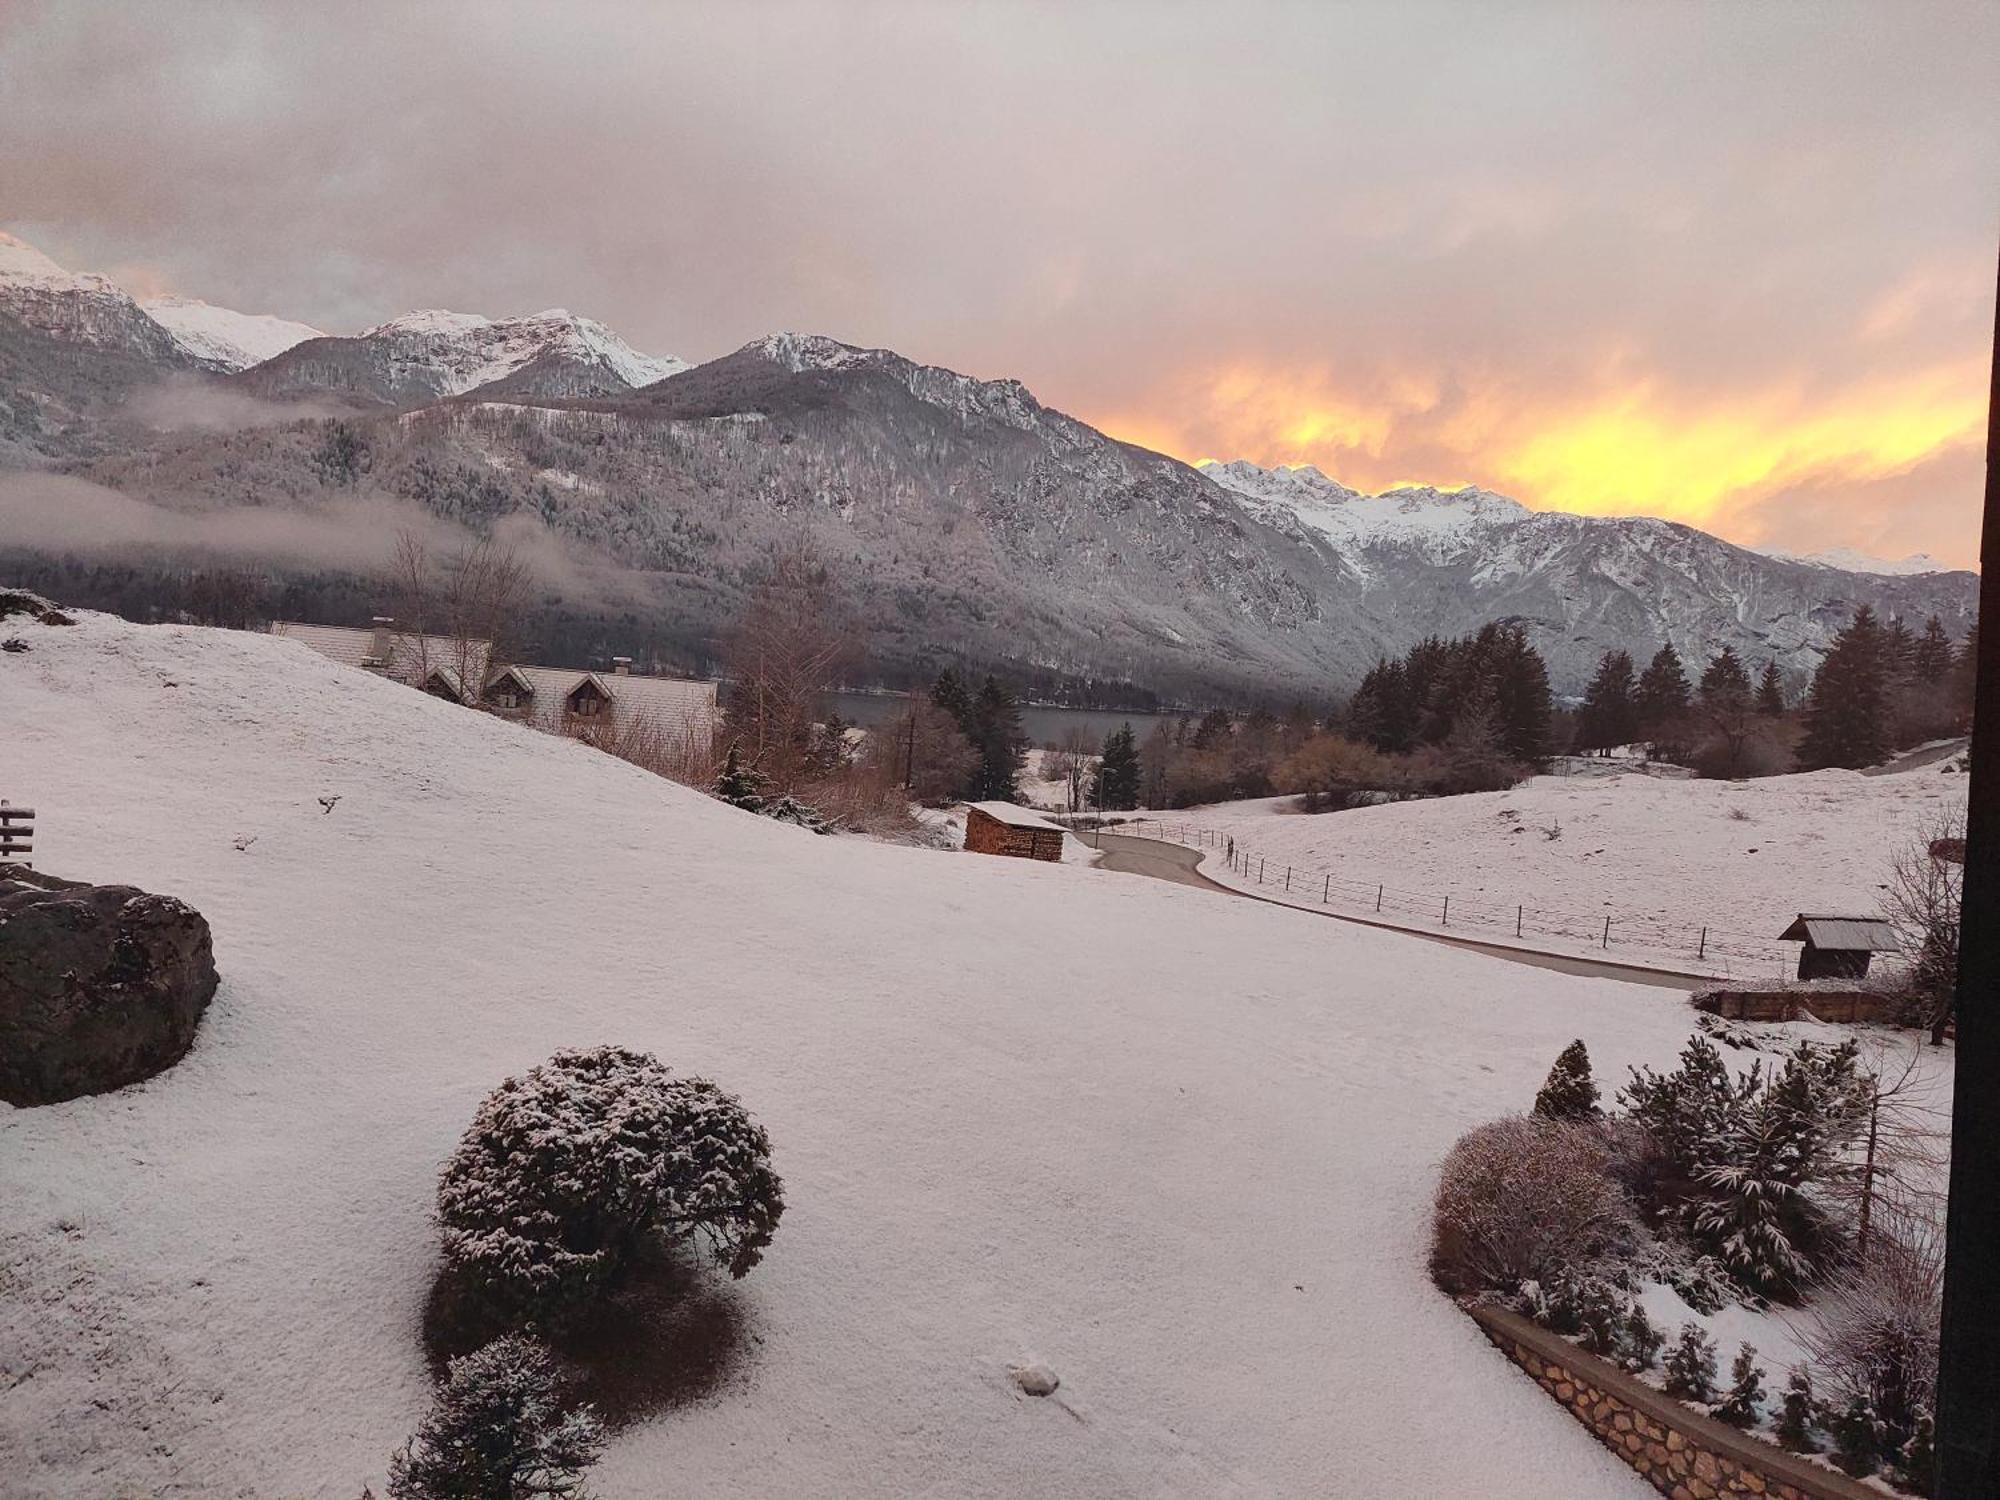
{"points": [[100, 985]]}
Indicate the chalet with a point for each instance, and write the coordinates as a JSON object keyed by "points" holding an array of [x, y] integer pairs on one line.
{"points": [[620, 709], [1839, 947], [1003, 828]]}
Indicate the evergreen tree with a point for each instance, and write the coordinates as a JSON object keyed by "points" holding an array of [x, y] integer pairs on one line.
{"points": [[1771, 692], [1725, 686], [1214, 731], [1383, 709], [1798, 1414], [1570, 1092], [1521, 696], [738, 784], [1117, 783], [1857, 1441], [1691, 1365], [1643, 1341], [1744, 1401], [497, 1430], [1607, 717], [1919, 1463], [1662, 695], [1848, 707], [995, 732], [949, 693], [1899, 650], [1931, 661]]}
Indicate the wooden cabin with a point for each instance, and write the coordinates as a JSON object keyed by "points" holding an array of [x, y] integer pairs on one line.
{"points": [[1839, 947], [1003, 828]]}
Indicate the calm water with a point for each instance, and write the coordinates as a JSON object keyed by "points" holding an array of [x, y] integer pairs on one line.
{"points": [[1044, 725]]}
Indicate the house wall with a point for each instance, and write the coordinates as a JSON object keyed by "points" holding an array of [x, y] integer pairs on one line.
{"points": [[988, 835], [1676, 1449]]}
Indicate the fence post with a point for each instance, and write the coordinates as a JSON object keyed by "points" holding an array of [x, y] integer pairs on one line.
{"points": [[1447, 911], [1607, 934], [1288, 877], [1326, 890], [1517, 921], [1260, 872], [1378, 898], [1701, 951]]}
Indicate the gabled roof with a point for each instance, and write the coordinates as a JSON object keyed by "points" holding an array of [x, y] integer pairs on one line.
{"points": [[513, 675], [411, 656], [1014, 816], [1850, 934]]}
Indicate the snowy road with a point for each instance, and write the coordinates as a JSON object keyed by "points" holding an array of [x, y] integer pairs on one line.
{"points": [[1178, 863]]}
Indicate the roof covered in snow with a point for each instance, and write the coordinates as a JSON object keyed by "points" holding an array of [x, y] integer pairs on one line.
{"points": [[1851, 934], [1014, 816]]}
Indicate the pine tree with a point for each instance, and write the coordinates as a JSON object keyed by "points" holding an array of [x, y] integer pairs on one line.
{"points": [[995, 732], [1643, 1341], [497, 1430], [949, 693], [1607, 717], [1117, 783], [1857, 1441], [1570, 1092], [1521, 696], [1691, 1365], [1771, 692], [1725, 686], [1214, 731], [1798, 1413], [1744, 1401], [1919, 1464], [1932, 659], [1848, 707], [1662, 694], [739, 785]]}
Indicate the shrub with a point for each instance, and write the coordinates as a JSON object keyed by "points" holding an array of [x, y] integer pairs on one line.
{"points": [[1570, 1092], [1643, 1341], [497, 1430], [1691, 1365], [1798, 1413], [1744, 1400], [566, 1168], [1526, 1199], [1857, 1441]]}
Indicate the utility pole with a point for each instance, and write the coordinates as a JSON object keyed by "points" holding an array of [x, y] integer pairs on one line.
{"points": [[910, 747], [1968, 1417]]}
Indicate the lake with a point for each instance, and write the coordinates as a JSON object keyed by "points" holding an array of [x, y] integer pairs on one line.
{"points": [[1045, 725]]}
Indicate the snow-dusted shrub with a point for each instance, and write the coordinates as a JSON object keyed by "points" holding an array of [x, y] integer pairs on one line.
{"points": [[1798, 1413], [1640, 1347], [1570, 1092], [1743, 1402], [1857, 1438], [1526, 1199], [1874, 1334], [1690, 1368], [497, 1430], [789, 809], [565, 1169]]}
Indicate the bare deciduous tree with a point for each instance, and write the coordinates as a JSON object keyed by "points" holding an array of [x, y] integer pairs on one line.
{"points": [[1923, 897], [467, 601], [789, 647]]}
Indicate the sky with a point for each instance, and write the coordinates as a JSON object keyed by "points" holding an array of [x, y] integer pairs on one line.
{"points": [[1730, 264]]}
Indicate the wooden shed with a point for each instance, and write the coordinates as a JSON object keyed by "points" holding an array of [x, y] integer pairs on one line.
{"points": [[1003, 828], [1839, 947]]}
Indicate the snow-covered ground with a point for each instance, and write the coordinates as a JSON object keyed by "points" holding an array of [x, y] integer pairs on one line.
{"points": [[1177, 1146], [1661, 858]]}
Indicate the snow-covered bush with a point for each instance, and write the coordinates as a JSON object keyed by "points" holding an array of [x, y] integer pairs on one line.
{"points": [[1690, 1366], [1743, 1402], [1874, 1334], [738, 784], [1526, 1199], [1642, 1342], [567, 1168], [1570, 1092], [497, 1430], [790, 810], [1798, 1413]]}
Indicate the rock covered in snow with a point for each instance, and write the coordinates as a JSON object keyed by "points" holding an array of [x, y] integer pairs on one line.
{"points": [[100, 985], [1035, 1379]]}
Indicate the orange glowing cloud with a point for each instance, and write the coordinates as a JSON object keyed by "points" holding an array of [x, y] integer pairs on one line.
{"points": [[1630, 446]]}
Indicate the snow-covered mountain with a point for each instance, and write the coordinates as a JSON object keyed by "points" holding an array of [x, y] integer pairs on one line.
{"points": [[1847, 560], [220, 338], [425, 356], [1449, 560], [78, 309]]}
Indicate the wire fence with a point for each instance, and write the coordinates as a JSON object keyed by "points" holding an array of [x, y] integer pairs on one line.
{"points": [[1708, 948]]}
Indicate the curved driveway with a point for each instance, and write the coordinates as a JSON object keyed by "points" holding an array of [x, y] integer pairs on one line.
{"points": [[1178, 863]]}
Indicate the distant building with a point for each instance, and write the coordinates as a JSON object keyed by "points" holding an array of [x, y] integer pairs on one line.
{"points": [[1839, 947], [617, 710], [1003, 828]]}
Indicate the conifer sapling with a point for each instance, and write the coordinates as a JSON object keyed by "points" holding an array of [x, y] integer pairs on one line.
{"points": [[1745, 1398], [1691, 1365], [497, 1430], [1643, 1341], [1857, 1444], [1570, 1092], [1798, 1413]]}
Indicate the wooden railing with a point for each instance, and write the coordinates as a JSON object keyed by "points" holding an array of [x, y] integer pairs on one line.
{"points": [[17, 834]]}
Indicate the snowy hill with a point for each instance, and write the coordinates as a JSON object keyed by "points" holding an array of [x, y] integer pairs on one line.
{"points": [[1178, 1146], [1846, 559], [76, 309], [423, 356], [222, 339]]}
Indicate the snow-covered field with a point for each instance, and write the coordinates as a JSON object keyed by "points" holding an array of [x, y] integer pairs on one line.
{"points": [[1179, 1147], [1661, 858]]}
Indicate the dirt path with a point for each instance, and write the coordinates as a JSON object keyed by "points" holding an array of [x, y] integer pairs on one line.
{"points": [[1178, 863], [1913, 760]]}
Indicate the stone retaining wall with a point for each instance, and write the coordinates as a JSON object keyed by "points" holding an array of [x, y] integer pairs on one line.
{"points": [[1682, 1453], [1790, 1005]]}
